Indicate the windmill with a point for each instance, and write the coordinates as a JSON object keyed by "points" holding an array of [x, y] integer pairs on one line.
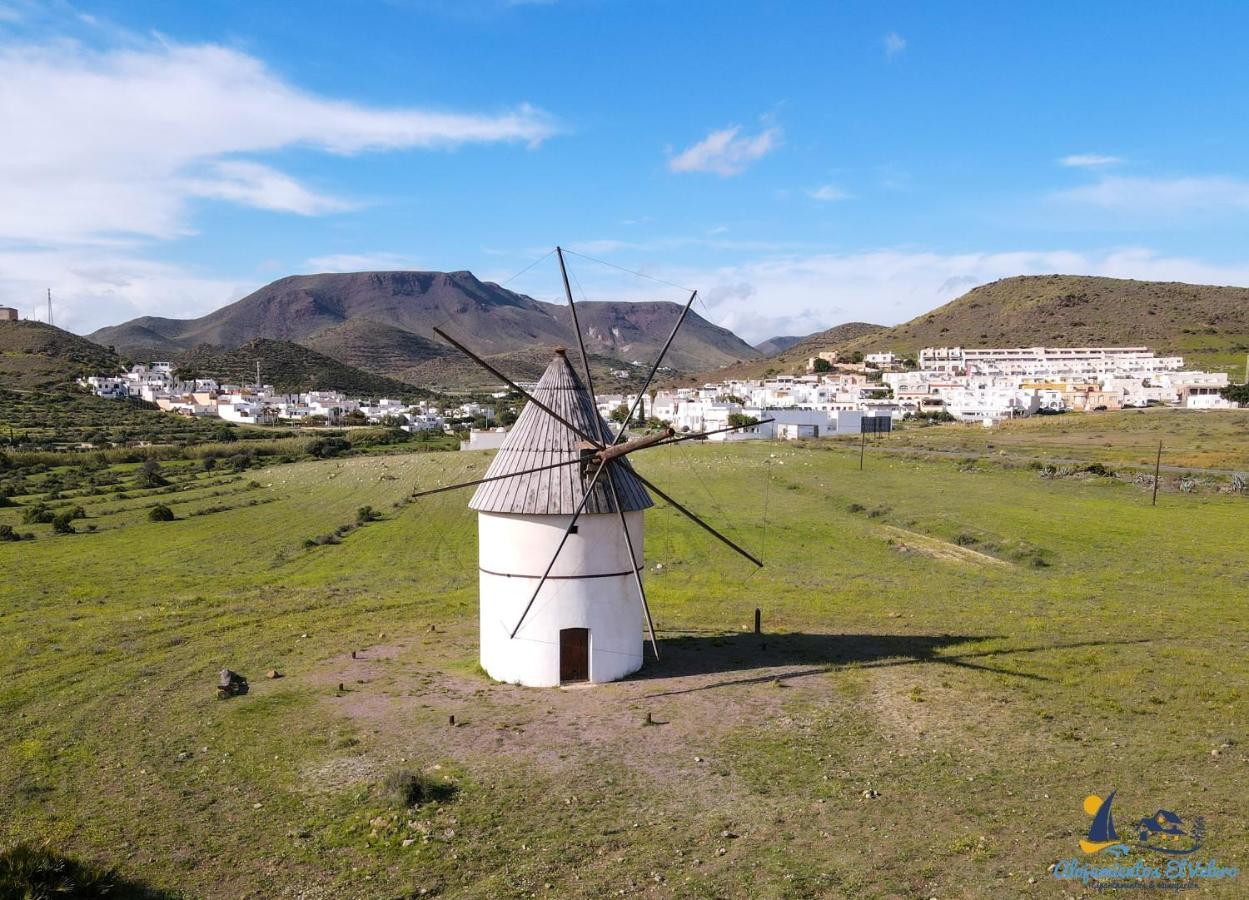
{"points": [[560, 529]]}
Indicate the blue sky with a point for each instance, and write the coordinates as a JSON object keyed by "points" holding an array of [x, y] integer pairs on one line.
{"points": [[802, 164]]}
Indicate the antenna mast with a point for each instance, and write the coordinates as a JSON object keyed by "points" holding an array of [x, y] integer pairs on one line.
{"points": [[49, 306]]}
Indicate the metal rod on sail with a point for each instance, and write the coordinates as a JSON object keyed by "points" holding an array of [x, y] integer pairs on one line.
{"points": [[655, 368], [597, 441], [585, 358], [697, 520], [567, 531], [633, 560], [489, 478], [702, 434]]}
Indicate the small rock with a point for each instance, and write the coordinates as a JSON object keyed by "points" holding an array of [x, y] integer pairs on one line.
{"points": [[720, 851], [183, 756], [698, 759], [1031, 881], [273, 673], [408, 842], [870, 794], [727, 834]]}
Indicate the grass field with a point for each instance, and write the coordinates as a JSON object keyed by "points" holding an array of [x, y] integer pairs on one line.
{"points": [[1190, 439], [953, 658]]}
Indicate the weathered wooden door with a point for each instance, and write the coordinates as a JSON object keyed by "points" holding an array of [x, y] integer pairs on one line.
{"points": [[574, 655]]}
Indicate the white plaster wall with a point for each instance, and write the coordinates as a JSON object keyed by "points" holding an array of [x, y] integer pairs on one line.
{"points": [[515, 551]]}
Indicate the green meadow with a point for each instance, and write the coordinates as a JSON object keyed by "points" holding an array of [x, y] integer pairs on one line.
{"points": [[954, 655]]}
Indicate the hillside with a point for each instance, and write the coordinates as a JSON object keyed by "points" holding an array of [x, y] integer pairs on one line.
{"points": [[792, 358], [36, 356], [488, 317], [289, 367], [378, 348], [781, 342], [1207, 324]]}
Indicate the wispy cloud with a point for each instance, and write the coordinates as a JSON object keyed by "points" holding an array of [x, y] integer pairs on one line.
{"points": [[259, 186], [894, 44], [362, 262], [828, 193], [1162, 197], [156, 125], [1088, 160], [726, 153]]}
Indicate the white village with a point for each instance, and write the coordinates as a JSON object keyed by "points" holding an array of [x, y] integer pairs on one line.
{"points": [[835, 396]]}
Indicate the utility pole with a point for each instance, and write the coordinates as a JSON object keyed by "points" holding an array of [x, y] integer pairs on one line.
{"points": [[862, 443], [1247, 368], [49, 306], [257, 376], [1157, 468]]}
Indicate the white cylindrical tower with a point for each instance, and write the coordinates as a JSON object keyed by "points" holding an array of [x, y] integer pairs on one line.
{"points": [[586, 622]]}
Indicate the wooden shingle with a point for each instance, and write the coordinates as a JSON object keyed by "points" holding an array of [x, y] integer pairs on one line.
{"points": [[537, 439]]}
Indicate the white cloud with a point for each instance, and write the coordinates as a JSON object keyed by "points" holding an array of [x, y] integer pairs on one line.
{"points": [[828, 193], [1161, 197], [724, 153], [363, 262], [894, 44], [794, 294], [97, 286], [105, 144], [254, 184], [1088, 160]]}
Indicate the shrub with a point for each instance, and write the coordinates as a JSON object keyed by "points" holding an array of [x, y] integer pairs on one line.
{"points": [[208, 463], [407, 789], [37, 872], [366, 514], [62, 524], [8, 534], [37, 515], [161, 513]]}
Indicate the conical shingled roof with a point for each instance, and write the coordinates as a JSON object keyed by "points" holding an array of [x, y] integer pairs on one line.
{"points": [[537, 439]]}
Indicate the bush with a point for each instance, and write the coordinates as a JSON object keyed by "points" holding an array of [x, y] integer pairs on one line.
{"points": [[366, 514], [209, 463], [27, 871], [37, 515], [62, 524], [327, 447], [161, 513], [8, 534], [407, 789]]}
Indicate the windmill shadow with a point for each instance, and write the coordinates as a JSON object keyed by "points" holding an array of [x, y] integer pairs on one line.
{"points": [[692, 654]]}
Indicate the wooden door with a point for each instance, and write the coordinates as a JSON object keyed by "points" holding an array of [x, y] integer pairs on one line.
{"points": [[574, 655]]}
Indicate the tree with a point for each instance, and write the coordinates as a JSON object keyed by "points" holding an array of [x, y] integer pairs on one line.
{"points": [[150, 475], [741, 420], [620, 414], [821, 365], [856, 356], [1237, 393]]}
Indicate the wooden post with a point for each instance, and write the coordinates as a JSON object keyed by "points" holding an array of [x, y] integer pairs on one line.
{"points": [[1157, 469], [758, 621], [862, 444]]}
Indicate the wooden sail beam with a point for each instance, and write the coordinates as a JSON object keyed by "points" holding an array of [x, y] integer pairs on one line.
{"points": [[520, 390], [633, 560], [677, 506], [655, 368], [585, 357]]}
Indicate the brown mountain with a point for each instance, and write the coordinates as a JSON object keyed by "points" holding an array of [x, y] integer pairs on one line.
{"points": [[35, 356], [792, 358], [781, 342], [1208, 325], [485, 316]]}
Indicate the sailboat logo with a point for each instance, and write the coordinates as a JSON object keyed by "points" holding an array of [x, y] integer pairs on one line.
{"points": [[1102, 834], [1163, 832]]}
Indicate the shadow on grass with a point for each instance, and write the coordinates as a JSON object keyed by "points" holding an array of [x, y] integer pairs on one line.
{"points": [[35, 871], [698, 653]]}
